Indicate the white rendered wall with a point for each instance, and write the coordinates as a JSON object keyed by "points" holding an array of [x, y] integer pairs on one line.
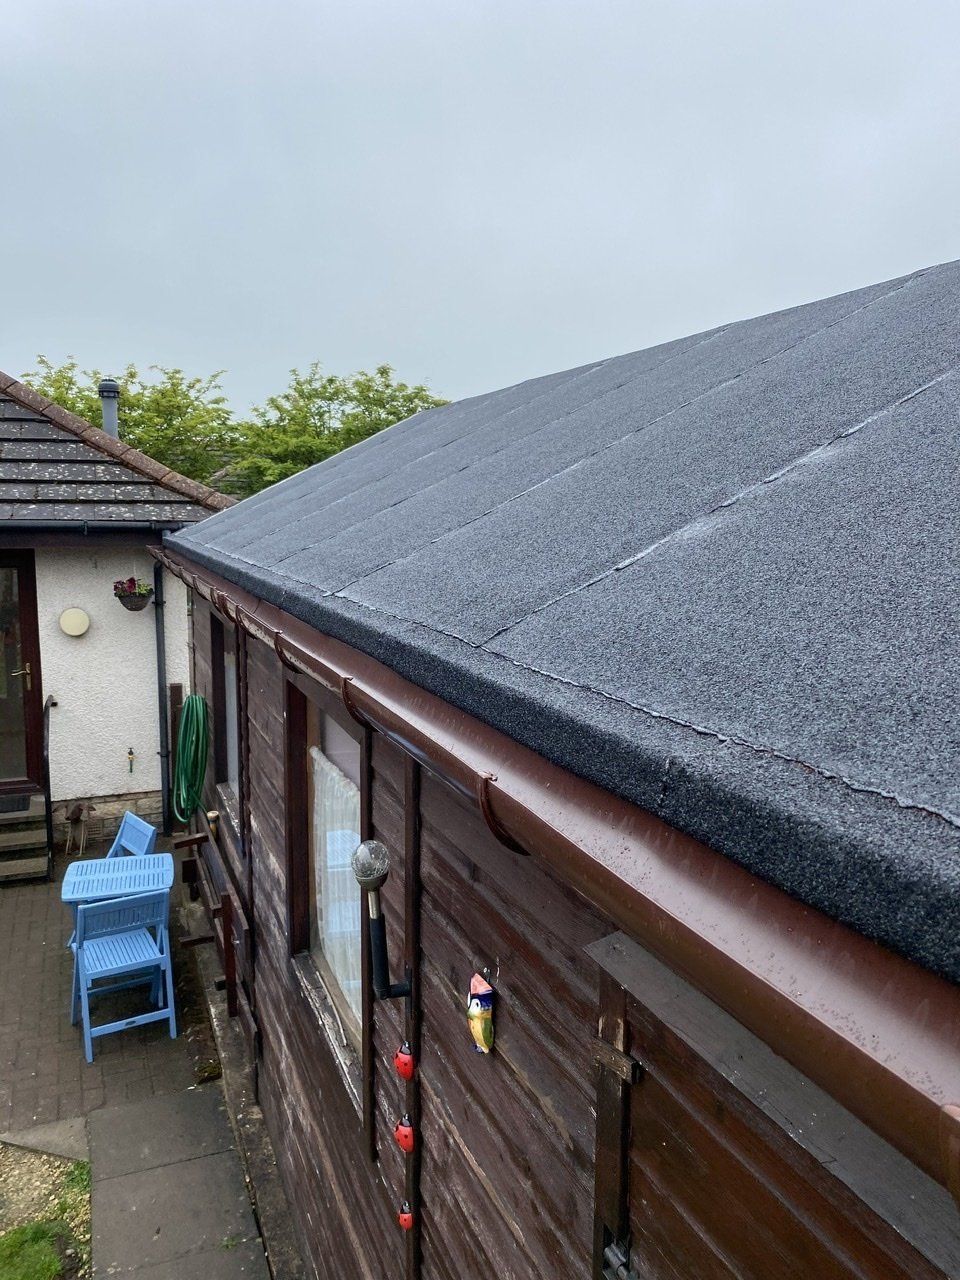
{"points": [[105, 682]]}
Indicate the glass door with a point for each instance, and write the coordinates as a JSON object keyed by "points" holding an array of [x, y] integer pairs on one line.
{"points": [[21, 717]]}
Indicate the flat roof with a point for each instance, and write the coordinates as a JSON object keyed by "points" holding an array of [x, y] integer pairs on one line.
{"points": [[718, 577]]}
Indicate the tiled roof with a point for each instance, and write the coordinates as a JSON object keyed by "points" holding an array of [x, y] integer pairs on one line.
{"points": [[56, 468]]}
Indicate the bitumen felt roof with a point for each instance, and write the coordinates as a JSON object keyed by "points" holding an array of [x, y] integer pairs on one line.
{"points": [[718, 577], [57, 469]]}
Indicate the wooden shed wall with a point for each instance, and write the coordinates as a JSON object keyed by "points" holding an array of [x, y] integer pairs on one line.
{"points": [[507, 1141]]}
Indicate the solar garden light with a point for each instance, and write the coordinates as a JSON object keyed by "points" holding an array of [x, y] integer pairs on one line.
{"points": [[371, 866]]}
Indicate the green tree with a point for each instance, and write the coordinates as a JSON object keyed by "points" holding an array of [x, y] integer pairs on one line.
{"points": [[183, 422], [318, 415]]}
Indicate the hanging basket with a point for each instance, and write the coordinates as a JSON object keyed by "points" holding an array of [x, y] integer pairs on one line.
{"points": [[135, 600]]}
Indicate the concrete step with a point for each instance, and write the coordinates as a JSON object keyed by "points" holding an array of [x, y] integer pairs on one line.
{"points": [[27, 867], [28, 809], [12, 829], [25, 838]]}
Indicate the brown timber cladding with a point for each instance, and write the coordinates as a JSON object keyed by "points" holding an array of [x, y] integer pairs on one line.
{"points": [[507, 1141]]}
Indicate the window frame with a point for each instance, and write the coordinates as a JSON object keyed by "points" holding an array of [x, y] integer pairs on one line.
{"points": [[225, 635], [316, 984], [223, 639]]}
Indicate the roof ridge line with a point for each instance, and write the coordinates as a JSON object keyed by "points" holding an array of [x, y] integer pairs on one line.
{"points": [[112, 447]]}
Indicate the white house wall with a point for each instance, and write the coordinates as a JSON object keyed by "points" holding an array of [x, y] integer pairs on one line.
{"points": [[105, 682]]}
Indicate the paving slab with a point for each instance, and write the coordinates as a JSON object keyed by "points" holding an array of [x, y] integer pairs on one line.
{"points": [[67, 1138], [229, 1261], [169, 1194], [159, 1131], [167, 1213]]}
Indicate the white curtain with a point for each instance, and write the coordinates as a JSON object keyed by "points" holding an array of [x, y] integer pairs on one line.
{"points": [[336, 833]]}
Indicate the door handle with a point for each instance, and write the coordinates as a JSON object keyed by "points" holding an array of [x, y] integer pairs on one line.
{"points": [[24, 671]]}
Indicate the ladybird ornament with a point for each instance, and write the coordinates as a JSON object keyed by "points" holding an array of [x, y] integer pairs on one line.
{"points": [[405, 1216], [403, 1132], [480, 1013], [404, 1062]]}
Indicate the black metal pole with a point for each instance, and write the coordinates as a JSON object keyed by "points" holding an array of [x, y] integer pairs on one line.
{"points": [[383, 988], [158, 617]]}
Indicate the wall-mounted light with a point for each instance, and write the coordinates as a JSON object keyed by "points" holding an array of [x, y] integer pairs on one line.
{"points": [[74, 622], [371, 866]]}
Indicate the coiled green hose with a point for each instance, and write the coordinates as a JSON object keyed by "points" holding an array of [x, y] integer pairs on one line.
{"points": [[191, 764]]}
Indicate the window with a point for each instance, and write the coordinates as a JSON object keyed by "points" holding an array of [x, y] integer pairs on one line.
{"points": [[333, 832], [231, 720], [226, 708]]}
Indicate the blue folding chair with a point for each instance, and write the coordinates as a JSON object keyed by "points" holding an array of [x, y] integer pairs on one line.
{"points": [[133, 836], [124, 939]]}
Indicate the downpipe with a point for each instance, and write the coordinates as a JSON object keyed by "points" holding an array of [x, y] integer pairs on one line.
{"points": [[164, 752]]}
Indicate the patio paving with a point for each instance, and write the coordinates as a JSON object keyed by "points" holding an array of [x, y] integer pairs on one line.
{"points": [[169, 1195], [43, 1073]]}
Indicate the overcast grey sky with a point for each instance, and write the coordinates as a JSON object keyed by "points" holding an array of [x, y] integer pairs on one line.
{"points": [[473, 190]]}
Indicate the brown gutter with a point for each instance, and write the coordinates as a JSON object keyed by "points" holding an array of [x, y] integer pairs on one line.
{"points": [[878, 1033]]}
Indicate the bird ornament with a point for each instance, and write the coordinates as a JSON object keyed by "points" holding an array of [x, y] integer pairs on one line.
{"points": [[480, 1013]]}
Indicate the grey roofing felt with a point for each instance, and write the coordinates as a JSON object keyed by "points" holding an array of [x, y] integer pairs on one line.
{"points": [[718, 577], [49, 476]]}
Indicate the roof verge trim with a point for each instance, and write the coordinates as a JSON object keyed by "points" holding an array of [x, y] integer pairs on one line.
{"points": [[113, 448]]}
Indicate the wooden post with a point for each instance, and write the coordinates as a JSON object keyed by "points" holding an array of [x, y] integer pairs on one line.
{"points": [[229, 955], [411, 959], [368, 1096], [611, 1206]]}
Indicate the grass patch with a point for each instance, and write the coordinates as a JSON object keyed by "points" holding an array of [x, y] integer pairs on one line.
{"points": [[32, 1252], [56, 1246]]}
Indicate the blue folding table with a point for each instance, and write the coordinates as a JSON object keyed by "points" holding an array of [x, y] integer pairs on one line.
{"points": [[98, 878]]}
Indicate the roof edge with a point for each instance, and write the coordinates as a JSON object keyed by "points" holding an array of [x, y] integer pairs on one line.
{"points": [[155, 471], [875, 1030]]}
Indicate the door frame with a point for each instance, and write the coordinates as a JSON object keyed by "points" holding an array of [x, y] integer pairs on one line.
{"points": [[25, 565]]}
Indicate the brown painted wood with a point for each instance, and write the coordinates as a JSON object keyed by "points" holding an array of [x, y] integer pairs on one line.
{"points": [[740, 1167], [879, 1033], [367, 1061], [23, 564], [411, 961], [611, 1213], [229, 953], [507, 1142], [218, 699], [341, 1206], [198, 940], [298, 916], [511, 1134]]}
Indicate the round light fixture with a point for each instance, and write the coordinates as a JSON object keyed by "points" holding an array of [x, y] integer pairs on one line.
{"points": [[74, 622]]}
